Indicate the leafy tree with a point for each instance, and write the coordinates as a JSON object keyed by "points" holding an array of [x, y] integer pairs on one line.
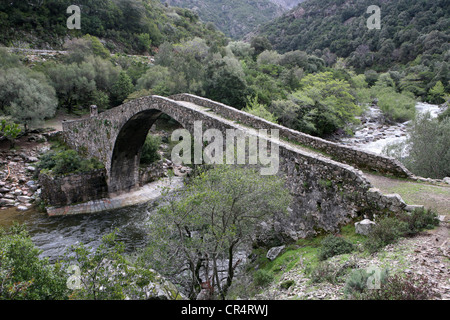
{"points": [[327, 103], [122, 89], [106, 273], [260, 44], [25, 276], [26, 96], [437, 93], [149, 153], [225, 82], [429, 151], [259, 110], [209, 221]]}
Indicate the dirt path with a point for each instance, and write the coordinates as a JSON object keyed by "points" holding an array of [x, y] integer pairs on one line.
{"points": [[436, 197]]}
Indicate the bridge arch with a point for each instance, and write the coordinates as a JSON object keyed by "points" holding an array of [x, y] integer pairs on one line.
{"points": [[116, 136]]}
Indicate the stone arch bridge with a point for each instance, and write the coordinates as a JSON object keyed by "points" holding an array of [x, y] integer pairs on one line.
{"points": [[325, 179]]}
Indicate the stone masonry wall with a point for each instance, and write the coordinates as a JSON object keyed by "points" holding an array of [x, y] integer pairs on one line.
{"points": [[360, 159], [73, 188]]}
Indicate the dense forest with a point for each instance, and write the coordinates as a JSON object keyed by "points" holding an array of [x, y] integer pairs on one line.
{"points": [[125, 25]]}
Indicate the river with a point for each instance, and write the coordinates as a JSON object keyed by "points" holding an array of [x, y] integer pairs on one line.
{"points": [[373, 134], [54, 235]]}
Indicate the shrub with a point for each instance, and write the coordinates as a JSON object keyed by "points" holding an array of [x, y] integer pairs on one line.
{"points": [[23, 274], [386, 231], [263, 278], [287, 284], [419, 220], [356, 284], [396, 287], [323, 272], [66, 162], [332, 246], [149, 153]]}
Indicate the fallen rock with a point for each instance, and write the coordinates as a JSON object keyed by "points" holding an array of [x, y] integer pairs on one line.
{"points": [[274, 252], [364, 227]]}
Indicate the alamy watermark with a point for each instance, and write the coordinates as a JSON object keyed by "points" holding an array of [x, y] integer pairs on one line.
{"points": [[211, 147], [374, 21], [74, 21]]}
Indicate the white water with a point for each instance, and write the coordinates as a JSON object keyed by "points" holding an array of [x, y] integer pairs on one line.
{"points": [[374, 136]]}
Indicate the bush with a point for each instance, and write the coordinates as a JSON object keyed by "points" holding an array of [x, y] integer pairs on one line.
{"points": [[23, 275], [419, 220], [409, 287], [386, 231], [263, 278], [323, 272], [66, 162], [287, 284], [356, 283], [332, 246], [149, 153], [397, 106]]}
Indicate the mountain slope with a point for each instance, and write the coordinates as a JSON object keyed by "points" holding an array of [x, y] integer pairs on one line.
{"points": [[236, 18], [131, 25], [408, 28]]}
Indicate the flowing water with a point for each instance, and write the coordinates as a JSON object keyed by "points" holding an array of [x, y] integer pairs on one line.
{"points": [[54, 235], [373, 135]]}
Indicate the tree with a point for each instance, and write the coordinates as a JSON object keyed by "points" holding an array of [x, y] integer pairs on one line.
{"points": [[225, 82], [122, 89], [429, 152], [26, 96], [437, 93], [23, 275], [260, 44], [201, 229]]}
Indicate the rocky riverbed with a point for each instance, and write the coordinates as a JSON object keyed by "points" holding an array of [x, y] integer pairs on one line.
{"points": [[375, 132], [17, 186]]}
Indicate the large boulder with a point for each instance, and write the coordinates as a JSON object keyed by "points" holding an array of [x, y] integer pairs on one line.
{"points": [[364, 227], [274, 252]]}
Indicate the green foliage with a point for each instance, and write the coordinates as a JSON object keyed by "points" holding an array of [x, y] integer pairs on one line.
{"points": [[409, 28], [398, 107], [437, 93], [419, 220], [149, 153], [65, 162], [121, 89], [107, 274], [287, 284], [320, 107], [23, 275], [428, 146], [131, 25], [10, 130], [357, 281], [209, 220], [26, 96], [332, 246], [259, 110], [263, 278], [386, 231]]}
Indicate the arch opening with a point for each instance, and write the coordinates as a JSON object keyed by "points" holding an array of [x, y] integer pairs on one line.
{"points": [[125, 161]]}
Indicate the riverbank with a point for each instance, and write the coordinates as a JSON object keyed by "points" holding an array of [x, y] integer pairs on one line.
{"points": [[425, 255], [148, 193]]}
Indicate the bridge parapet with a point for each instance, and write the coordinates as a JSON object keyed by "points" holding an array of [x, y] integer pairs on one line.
{"points": [[339, 152]]}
